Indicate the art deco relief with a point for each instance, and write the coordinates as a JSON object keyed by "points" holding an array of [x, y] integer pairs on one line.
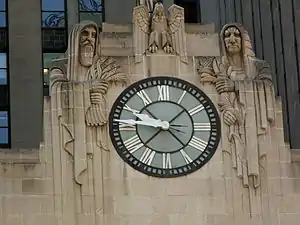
{"points": [[154, 32], [246, 101], [79, 93]]}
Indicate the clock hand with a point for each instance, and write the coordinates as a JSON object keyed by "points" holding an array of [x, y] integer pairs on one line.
{"points": [[180, 131], [177, 125], [142, 116], [152, 123]]}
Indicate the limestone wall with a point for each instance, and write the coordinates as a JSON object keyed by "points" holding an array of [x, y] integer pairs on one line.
{"points": [[39, 187], [212, 195]]}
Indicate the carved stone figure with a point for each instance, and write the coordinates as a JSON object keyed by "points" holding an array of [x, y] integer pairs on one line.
{"points": [[81, 87], [246, 101], [79, 83], [149, 3], [155, 32]]}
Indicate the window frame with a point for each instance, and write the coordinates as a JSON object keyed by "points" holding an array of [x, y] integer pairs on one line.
{"points": [[45, 50], [6, 107]]}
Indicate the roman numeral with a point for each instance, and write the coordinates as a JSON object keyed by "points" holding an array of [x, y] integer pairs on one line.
{"points": [[127, 127], [186, 156], [144, 97], [128, 108], [163, 93], [196, 109], [147, 156], [181, 97], [198, 143], [167, 161], [133, 144], [202, 127]]}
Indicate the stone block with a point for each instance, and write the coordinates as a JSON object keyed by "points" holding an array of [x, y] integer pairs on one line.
{"points": [[37, 186]]}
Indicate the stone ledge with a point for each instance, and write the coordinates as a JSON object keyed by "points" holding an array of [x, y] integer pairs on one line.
{"points": [[19, 156], [295, 155], [128, 28]]}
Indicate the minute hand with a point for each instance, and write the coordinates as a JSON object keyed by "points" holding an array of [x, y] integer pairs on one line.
{"points": [[151, 123]]}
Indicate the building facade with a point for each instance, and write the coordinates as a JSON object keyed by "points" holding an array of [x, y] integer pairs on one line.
{"points": [[41, 184]]}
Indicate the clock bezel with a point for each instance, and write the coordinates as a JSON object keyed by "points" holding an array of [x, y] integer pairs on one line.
{"points": [[144, 168]]}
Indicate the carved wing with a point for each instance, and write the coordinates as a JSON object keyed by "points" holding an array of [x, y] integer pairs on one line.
{"points": [[177, 31], [141, 30]]}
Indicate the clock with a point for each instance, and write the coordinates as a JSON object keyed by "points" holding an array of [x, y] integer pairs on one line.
{"points": [[164, 127]]}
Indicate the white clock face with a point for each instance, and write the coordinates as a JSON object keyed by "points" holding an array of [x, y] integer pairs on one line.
{"points": [[164, 127]]}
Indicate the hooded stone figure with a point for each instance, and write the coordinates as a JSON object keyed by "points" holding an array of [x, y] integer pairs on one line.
{"points": [[79, 84], [246, 101]]}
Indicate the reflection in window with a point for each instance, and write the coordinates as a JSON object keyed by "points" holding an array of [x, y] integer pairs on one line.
{"points": [[90, 5], [91, 10], [54, 32], [53, 19]]}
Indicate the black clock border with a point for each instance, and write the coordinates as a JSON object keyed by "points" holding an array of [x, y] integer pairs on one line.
{"points": [[173, 172]]}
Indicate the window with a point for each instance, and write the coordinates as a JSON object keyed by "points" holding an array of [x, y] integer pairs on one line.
{"points": [[191, 10], [4, 79], [47, 62], [54, 34], [91, 10], [54, 25]]}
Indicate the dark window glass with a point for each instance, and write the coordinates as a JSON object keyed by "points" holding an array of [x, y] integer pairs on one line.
{"points": [[2, 5], [54, 40], [90, 5], [2, 19], [3, 77], [53, 5], [4, 101], [191, 10], [3, 119], [95, 17], [53, 19], [3, 40], [3, 135]]}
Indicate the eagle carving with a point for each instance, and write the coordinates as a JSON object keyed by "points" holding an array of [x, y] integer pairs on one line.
{"points": [[155, 32]]}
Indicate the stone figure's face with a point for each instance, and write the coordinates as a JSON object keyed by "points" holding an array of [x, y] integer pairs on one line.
{"points": [[159, 13], [233, 40], [87, 45]]}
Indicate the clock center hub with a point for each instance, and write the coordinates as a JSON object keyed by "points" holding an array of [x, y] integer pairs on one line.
{"points": [[174, 132]]}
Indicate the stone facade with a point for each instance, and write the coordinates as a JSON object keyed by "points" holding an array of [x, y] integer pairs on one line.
{"points": [[78, 178]]}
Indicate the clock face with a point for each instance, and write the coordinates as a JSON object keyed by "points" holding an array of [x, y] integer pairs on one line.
{"points": [[164, 127]]}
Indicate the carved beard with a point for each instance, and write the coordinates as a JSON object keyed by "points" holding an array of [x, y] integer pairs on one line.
{"points": [[86, 55]]}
